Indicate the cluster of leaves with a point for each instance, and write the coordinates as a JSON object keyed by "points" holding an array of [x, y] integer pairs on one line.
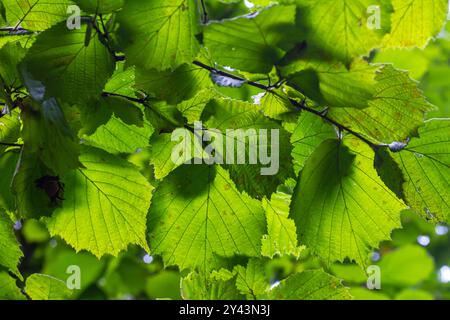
{"points": [[93, 108]]}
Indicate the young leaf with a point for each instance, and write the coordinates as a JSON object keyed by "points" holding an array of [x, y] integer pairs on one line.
{"points": [[340, 206], [105, 205], [281, 238]]}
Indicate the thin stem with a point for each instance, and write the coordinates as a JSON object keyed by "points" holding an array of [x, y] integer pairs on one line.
{"points": [[204, 12], [232, 76], [296, 104], [105, 30], [16, 31], [112, 94]]}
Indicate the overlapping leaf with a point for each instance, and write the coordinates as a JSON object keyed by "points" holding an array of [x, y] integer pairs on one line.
{"points": [[160, 34], [44, 287], [281, 238], [425, 164], [397, 109], [340, 206], [105, 205], [251, 133], [252, 43], [10, 253], [415, 22], [74, 65], [311, 285], [339, 27], [36, 15], [198, 215]]}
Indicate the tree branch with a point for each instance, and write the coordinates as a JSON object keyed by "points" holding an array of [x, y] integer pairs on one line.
{"points": [[16, 31], [298, 105], [232, 76]]}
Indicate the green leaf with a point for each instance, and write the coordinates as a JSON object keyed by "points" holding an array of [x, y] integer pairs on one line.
{"points": [[281, 238], [9, 128], [310, 285], [173, 86], [116, 136], [193, 108], [197, 215], [408, 30], [44, 287], [396, 111], [9, 289], [340, 206], [122, 81], [344, 34], [332, 84], [10, 55], [8, 164], [37, 15], [406, 266], [68, 67], [161, 149], [105, 205], [276, 105], [31, 201], [252, 43], [100, 6], [197, 287], [309, 133], [251, 280], [47, 133], [249, 125], [10, 253], [425, 164], [159, 34]]}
